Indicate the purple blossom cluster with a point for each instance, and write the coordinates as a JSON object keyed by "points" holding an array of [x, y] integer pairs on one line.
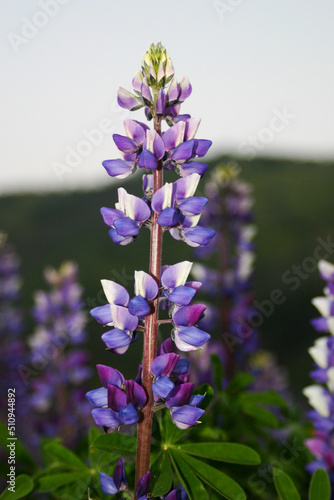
{"points": [[163, 292], [321, 394], [58, 389]]}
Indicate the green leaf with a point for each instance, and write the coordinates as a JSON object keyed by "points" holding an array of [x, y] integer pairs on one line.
{"points": [[170, 433], [161, 475], [122, 443], [320, 487], [64, 455], [218, 371], [223, 452], [240, 382], [265, 416], [21, 453], [23, 486], [219, 481], [206, 389], [55, 481], [268, 398], [284, 486], [192, 484]]}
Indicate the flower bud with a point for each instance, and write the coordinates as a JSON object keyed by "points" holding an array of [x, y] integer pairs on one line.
{"points": [[157, 66]]}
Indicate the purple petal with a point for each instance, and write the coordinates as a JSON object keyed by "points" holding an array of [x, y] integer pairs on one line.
{"points": [[164, 364], [186, 186], [110, 215], [181, 395], [147, 160], [102, 314], [135, 130], [174, 136], [135, 394], [162, 387], [107, 484], [192, 125], [186, 89], [184, 151], [165, 347], [116, 398], [198, 236], [118, 168], [128, 415], [202, 147], [137, 81], [161, 102], [143, 485], [154, 144], [188, 315], [320, 324], [190, 338], [105, 417], [138, 306], [186, 416], [134, 207], [194, 205], [98, 397], [117, 339], [182, 295], [115, 293], [126, 227], [176, 275], [162, 198], [110, 376], [168, 217], [119, 475], [193, 167], [177, 495], [145, 91], [182, 366], [127, 100], [123, 319], [173, 92], [145, 285], [118, 239], [124, 143], [196, 400]]}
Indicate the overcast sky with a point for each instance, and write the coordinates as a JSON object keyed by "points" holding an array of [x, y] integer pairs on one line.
{"points": [[262, 73]]}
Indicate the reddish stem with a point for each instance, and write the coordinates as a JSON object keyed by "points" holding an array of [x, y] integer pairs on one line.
{"points": [[144, 428]]}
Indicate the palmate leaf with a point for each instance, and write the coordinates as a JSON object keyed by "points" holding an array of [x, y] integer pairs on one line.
{"points": [[284, 486], [223, 452], [320, 488], [192, 484], [23, 486], [65, 456], [268, 398], [261, 414], [219, 481], [161, 475], [121, 443], [53, 482]]}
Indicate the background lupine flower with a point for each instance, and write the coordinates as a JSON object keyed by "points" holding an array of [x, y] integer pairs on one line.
{"points": [[58, 389], [111, 485], [14, 352], [321, 394]]}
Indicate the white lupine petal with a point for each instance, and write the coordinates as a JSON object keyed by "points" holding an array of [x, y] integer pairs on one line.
{"points": [[330, 383], [319, 352], [322, 304], [318, 398]]}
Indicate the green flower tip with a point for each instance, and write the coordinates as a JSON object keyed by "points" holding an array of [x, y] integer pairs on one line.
{"points": [[157, 66]]}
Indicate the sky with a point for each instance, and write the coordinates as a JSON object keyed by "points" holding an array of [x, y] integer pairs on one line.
{"points": [[262, 73]]}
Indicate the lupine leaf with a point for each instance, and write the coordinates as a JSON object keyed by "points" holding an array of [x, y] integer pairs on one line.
{"points": [[239, 382], [223, 452], [122, 443], [161, 475], [170, 433], [64, 455], [268, 397], [53, 482], [192, 484], [265, 416], [219, 481], [206, 389], [23, 486], [284, 486], [21, 453], [320, 487]]}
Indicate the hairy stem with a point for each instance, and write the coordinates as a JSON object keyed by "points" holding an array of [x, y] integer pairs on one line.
{"points": [[150, 335]]}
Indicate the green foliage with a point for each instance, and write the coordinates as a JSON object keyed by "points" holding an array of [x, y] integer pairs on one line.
{"points": [[320, 488], [284, 486], [23, 486]]}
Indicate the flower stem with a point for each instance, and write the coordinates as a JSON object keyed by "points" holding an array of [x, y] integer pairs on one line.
{"points": [[150, 336]]}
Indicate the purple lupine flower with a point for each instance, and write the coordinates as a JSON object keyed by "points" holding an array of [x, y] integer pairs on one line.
{"points": [[143, 488], [111, 485], [179, 494], [127, 218], [60, 327], [321, 394], [187, 336], [176, 289]]}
